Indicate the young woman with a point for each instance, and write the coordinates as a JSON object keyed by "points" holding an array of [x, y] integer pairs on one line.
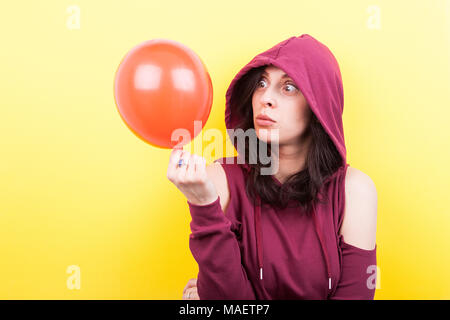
{"points": [[281, 236]]}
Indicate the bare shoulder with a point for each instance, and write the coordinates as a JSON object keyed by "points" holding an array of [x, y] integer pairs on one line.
{"points": [[217, 174], [360, 213]]}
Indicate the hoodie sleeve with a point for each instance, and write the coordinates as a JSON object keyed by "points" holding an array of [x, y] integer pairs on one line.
{"points": [[358, 274], [215, 248]]}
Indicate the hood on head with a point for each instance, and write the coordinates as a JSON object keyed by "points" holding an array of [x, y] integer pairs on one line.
{"points": [[315, 71]]}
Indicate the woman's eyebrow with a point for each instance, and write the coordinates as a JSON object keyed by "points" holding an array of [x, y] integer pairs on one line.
{"points": [[282, 77]]}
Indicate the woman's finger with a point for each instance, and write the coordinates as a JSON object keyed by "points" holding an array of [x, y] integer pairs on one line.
{"points": [[194, 294], [191, 294], [190, 170], [173, 161], [181, 170], [191, 283], [200, 166], [187, 294]]}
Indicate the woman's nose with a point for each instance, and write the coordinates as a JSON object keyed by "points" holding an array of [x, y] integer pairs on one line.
{"points": [[267, 100]]}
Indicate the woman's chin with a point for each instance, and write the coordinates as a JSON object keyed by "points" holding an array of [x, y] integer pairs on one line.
{"points": [[268, 135]]}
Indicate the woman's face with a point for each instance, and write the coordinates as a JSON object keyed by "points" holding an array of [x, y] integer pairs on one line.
{"points": [[278, 97]]}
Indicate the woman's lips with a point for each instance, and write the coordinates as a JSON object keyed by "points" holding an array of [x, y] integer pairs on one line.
{"points": [[264, 123]]}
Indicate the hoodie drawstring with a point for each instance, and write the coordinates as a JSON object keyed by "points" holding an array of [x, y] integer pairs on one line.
{"points": [[322, 245], [257, 216], [258, 232]]}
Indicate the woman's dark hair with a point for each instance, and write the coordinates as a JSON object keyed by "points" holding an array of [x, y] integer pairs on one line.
{"points": [[322, 160]]}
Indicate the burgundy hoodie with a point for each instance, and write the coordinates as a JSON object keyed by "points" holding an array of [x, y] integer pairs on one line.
{"points": [[258, 252]]}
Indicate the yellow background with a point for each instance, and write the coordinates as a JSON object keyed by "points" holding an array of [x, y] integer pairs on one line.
{"points": [[78, 188]]}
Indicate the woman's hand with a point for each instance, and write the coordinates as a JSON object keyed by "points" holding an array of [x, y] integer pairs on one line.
{"points": [[190, 290], [191, 178]]}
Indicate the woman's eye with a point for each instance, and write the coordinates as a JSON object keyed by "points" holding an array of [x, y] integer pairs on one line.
{"points": [[292, 86], [259, 83]]}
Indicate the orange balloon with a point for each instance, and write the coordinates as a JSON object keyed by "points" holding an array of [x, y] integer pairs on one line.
{"points": [[162, 85]]}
